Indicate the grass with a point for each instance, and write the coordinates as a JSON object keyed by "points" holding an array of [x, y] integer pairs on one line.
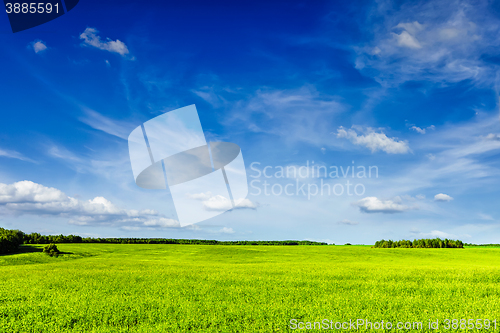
{"points": [[204, 288]]}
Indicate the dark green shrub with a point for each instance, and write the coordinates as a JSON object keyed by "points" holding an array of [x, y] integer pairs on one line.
{"points": [[51, 250]]}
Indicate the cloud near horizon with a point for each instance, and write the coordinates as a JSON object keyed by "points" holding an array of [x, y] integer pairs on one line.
{"points": [[376, 205], [348, 222], [27, 197], [219, 203]]}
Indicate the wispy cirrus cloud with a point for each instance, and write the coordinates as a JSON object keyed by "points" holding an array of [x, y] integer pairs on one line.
{"points": [[14, 154], [120, 129], [439, 41], [295, 115], [348, 222]]}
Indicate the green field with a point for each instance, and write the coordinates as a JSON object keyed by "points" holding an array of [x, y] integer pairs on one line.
{"points": [[204, 288]]}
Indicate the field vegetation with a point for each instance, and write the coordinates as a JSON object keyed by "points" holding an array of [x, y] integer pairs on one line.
{"points": [[200, 288]]}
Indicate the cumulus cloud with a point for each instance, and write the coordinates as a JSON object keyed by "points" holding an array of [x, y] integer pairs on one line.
{"points": [[221, 203], [442, 197], [90, 38], [376, 205], [374, 141], [38, 46], [120, 129], [26, 197], [348, 222]]}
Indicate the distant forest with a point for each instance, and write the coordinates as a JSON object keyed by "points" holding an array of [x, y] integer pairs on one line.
{"points": [[11, 239], [425, 243]]}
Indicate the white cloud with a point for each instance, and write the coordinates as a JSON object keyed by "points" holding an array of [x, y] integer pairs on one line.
{"points": [[38, 46], [221, 203], [439, 234], [348, 222], [218, 203], [422, 130], [375, 205], [90, 38], [407, 40], [14, 154], [418, 129], [442, 197], [375, 141], [26, 197], [226, 230], [162, 222], [245, 203]]}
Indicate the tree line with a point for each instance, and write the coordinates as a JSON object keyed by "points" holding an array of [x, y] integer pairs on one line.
{"points": [[11, 239], [424, 243], [36, 238]]}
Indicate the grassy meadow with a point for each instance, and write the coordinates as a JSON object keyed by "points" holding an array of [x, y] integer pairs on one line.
{"points": [[205, 288]]}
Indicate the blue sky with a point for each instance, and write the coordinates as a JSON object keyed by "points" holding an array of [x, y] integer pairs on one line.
{"points": [[408, 87]]}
